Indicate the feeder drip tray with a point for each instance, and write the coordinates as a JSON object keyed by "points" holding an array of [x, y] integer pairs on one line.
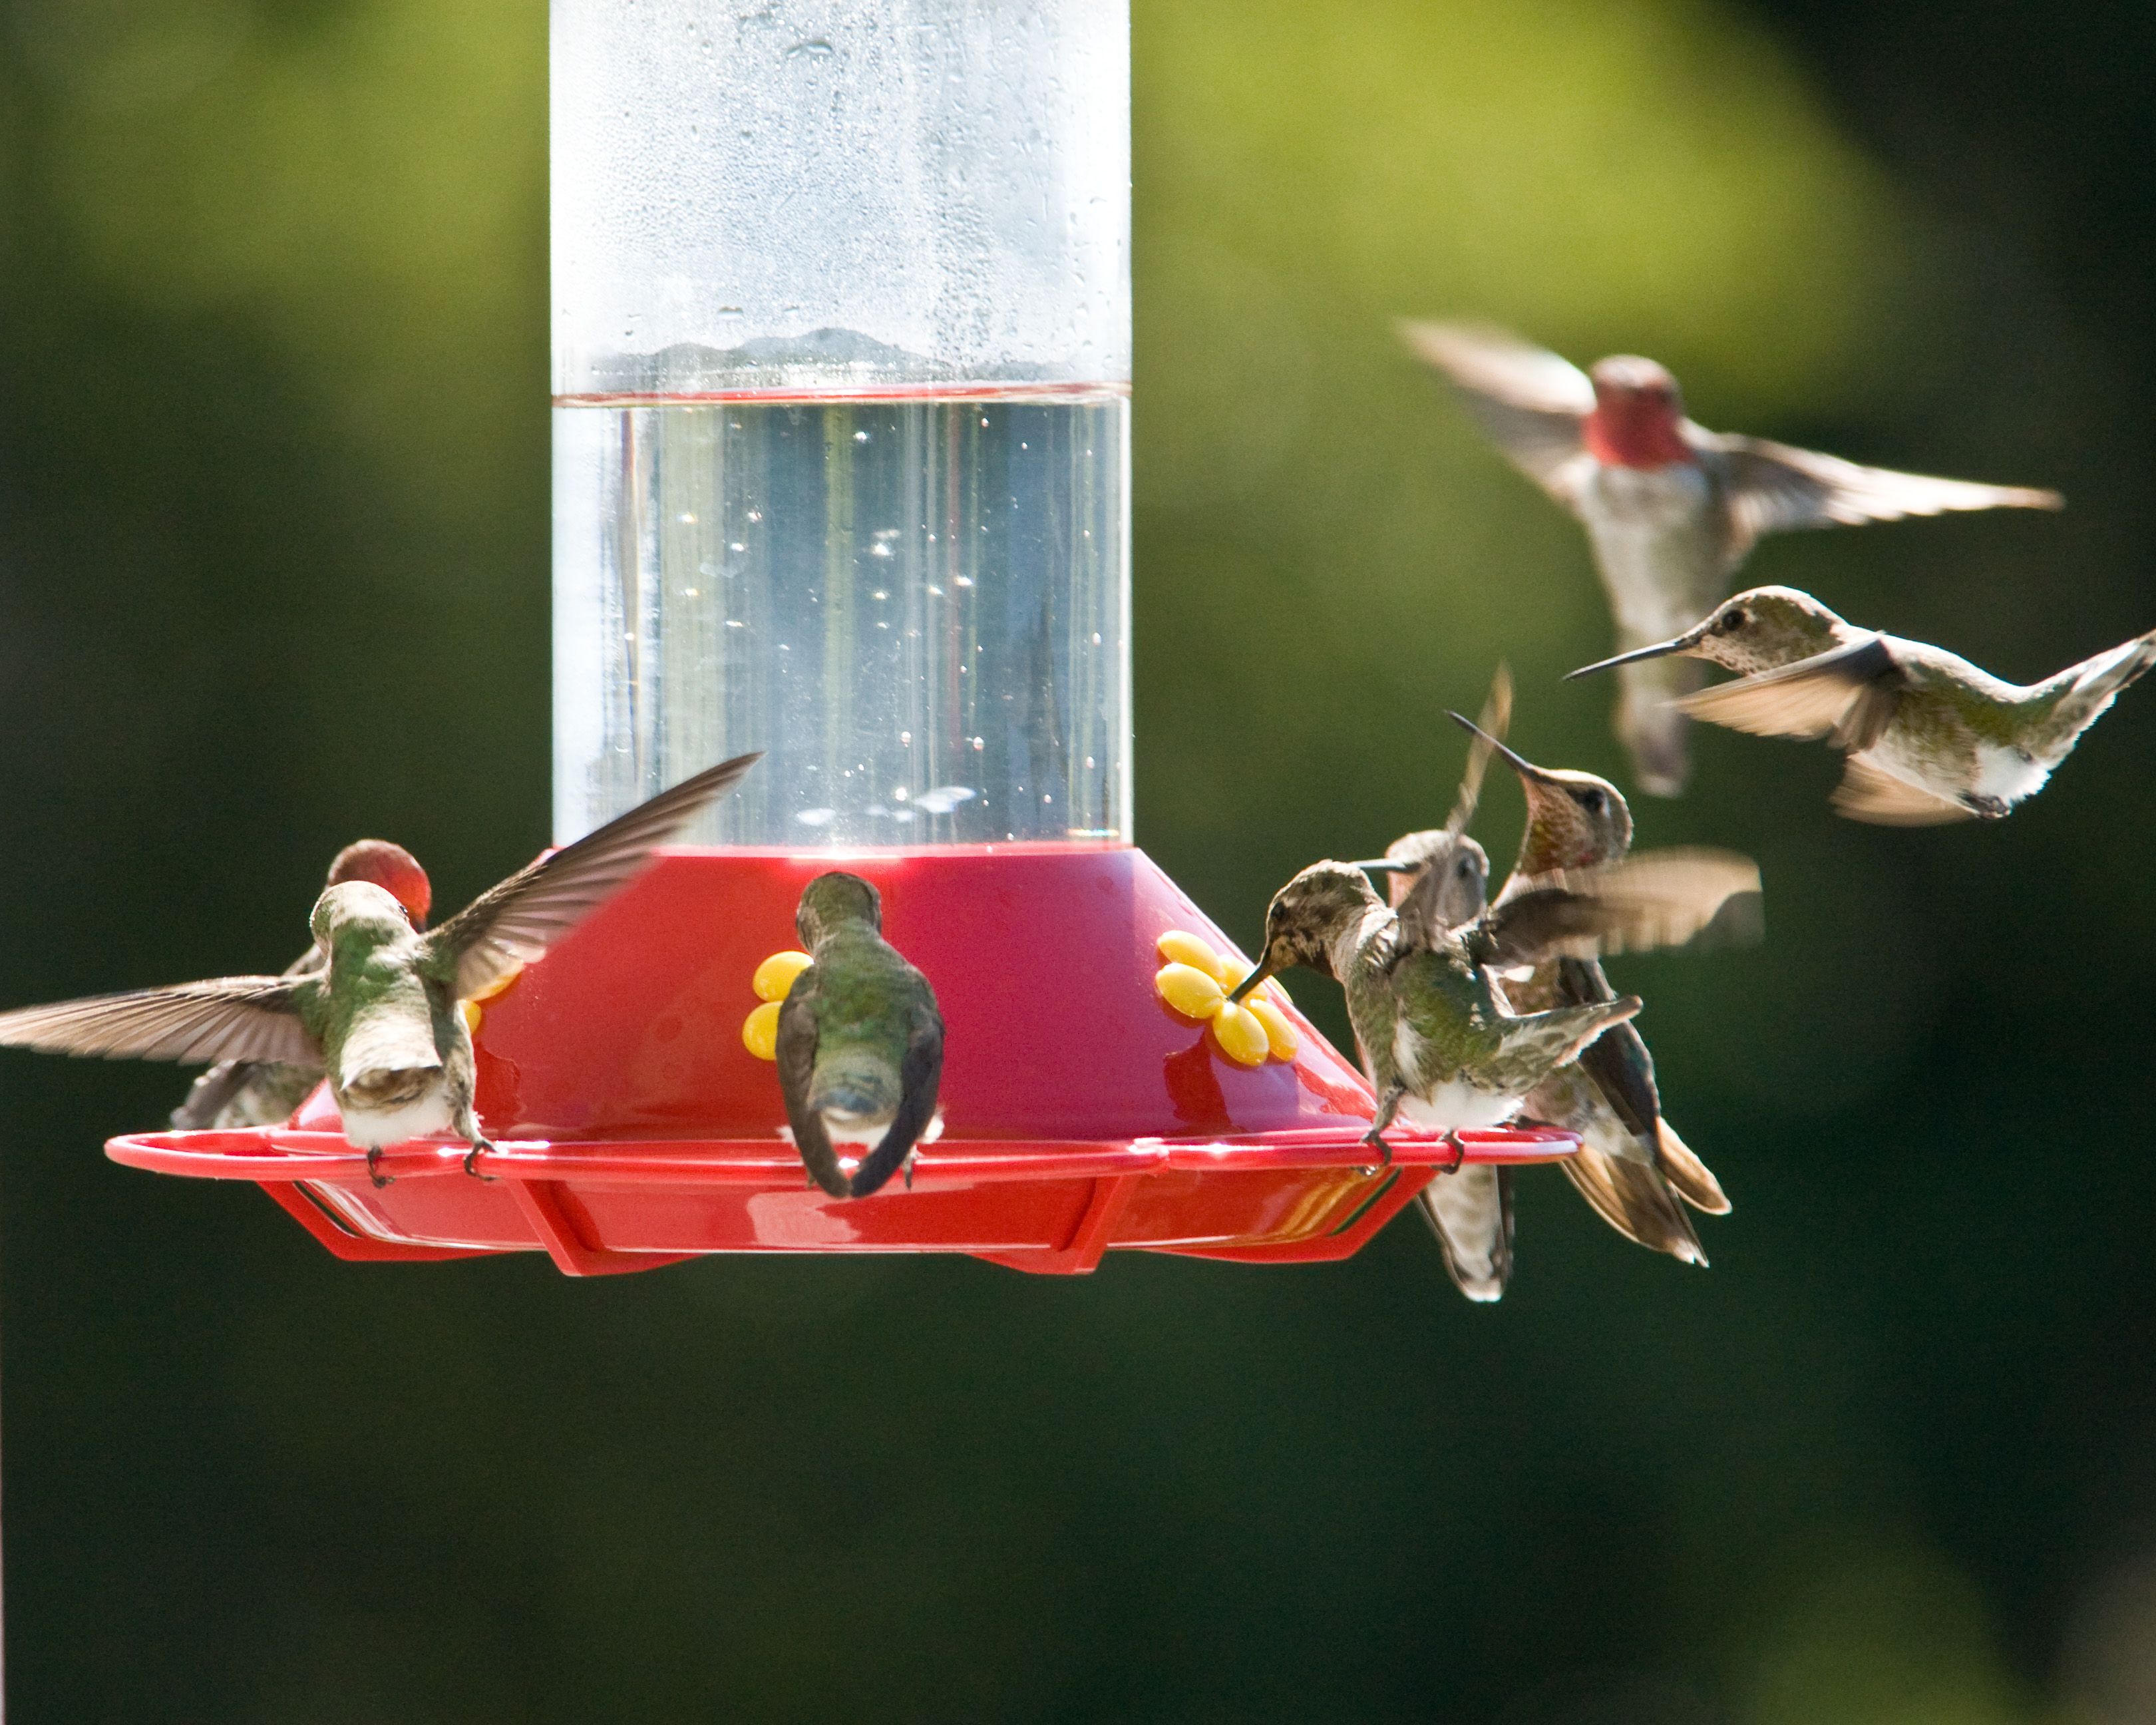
{"points": [[633, 1126]]}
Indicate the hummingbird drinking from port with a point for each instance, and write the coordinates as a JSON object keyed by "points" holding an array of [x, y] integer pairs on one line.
{"points": [[243, 1093], [1438, 1045], [1671, 508], [1930, 738], [379, 1012], [1631, 1159], [860, 1042]]}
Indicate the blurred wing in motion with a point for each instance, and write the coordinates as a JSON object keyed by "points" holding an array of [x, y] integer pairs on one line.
{"points": [[512, 923], [1846, 695], [1529, 401], [234, 1018], [1773, 488], [1496, 720], [1661, 898], [1879, 799]]}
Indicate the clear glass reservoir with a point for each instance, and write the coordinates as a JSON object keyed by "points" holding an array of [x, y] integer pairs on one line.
{"points": [[841, 362]]}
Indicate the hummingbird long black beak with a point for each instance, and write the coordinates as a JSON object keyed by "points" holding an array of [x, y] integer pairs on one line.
{"points": [[1675, 644], [1384, 865], [1265, 971], [1519, 763]]}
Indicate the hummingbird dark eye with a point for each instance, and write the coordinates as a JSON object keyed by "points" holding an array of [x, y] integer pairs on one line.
{"points": [[1731, 621], [1594, 802]]}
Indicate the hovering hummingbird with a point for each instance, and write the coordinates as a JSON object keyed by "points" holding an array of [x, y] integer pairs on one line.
{"points": [[243, 1093], [860, 1041], [379, 1012], [1436, 1040], [1671, 508], [1930, 738], [1629, 1158]]}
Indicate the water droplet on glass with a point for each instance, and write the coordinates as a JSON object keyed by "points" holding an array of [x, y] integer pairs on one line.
{"points": [[978, 745], [817, 817]]}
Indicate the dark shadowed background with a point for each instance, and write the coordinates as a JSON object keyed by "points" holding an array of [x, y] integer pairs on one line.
{"points": [[274, 572]]}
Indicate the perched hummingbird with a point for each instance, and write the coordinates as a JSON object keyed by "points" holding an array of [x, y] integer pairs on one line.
{"points": [[1439, 880], [378, 1012], [1930, 738], [242, 1093], [1629, 1157], [1436, 1040], [860, 1042], [1671, 508]]}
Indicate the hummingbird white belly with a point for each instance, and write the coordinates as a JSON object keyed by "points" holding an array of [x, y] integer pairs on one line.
{"points": [[377, 1129], [1654, 546], [1996, 772], [855, 1132], [1456, 1103]]}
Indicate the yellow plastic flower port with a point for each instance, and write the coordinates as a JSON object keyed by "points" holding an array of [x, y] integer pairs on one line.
{"points": [[470, 1007], [760, 1031], [776, 974], [1195, 980], [771, 980]]}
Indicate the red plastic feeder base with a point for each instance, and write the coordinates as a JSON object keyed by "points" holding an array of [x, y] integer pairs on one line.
{"points": [[632, 1128]]}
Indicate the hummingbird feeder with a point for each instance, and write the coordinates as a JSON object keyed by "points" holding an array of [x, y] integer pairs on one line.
{"points": [[841, 472]]}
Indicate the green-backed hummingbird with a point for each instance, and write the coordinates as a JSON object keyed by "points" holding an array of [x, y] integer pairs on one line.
{"points": [[1437, 1042], [1671, 508], [860, 1042], [1930, 738], [244, 1093], [378, 1012]]}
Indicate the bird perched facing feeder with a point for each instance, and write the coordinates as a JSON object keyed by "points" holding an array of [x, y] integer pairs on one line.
{"points": [[861, 1043], [1671, 508], [1930, 738], [380, 1011], [235, 1093]]}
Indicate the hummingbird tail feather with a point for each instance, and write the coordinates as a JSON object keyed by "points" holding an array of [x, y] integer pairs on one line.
{"points": [[1632, 1199], [1651, 728], [1470, 1213], [1688, 1177]]}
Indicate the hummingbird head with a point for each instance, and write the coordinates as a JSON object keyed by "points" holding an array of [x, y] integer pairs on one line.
{"points": [[1638, 417], [1307, 916], [357, 914], [391, 867], [1465, 865], [832, 899], [1574, 820], [1758, 630]]}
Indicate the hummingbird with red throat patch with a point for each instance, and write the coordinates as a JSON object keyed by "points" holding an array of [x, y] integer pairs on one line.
{"points": [[379, 1012], [1671, 508]]}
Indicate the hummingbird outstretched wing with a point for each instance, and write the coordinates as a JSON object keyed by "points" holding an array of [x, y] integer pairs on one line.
{"points": [[920, 1072], [216, 1089], [1659, 898], [1846, 695], [1529, 402], [246, 1018], [797, 1038], [1773, 488], [513, 922]]}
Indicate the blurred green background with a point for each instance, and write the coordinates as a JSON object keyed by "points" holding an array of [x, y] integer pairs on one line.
{"points": [[274, 571]]}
